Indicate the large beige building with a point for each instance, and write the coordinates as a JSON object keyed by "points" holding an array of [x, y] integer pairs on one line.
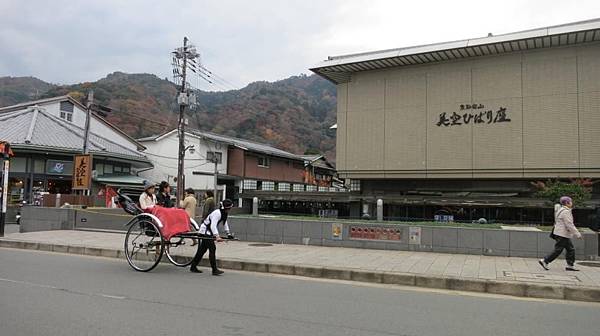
{"points": [[488, 114]]}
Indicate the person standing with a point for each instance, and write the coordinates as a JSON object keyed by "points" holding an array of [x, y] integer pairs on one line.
{"points": [[209, 204], [189, 203], [164, 195], [209, 227], [563, 231]]}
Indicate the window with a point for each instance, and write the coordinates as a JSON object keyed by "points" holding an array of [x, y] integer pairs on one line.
{"points": [[210, 157], [311, 188], [66, 106], [39, 166], [264, 161], [18, 164], [117, 169], [100, 169], [298, 187], [126, 169], [66, 110], [108, 169], [282, 186], [268, 186], [250, 184], [354, 185]]}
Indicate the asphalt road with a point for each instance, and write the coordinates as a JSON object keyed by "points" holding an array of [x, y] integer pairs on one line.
{"points": [[56, 294]]}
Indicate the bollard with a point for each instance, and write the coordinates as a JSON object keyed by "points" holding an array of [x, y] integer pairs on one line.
{"points": [[380, 210], [255, 206], [57, 203]]}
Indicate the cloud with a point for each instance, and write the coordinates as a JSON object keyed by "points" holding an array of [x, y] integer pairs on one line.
{"points": [[243, 41]]}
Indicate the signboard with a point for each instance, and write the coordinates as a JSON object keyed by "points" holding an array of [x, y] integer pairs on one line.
{"points": [[414, 235], [336, 231], [375, 233], [4, 188], [56, 167], [82, 172], [474, 114]]}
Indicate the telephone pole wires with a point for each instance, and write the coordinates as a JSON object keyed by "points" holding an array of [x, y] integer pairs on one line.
{"points": [[182, 58]]}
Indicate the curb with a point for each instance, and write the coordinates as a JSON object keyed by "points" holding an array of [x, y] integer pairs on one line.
{"points": [[573, 293]]}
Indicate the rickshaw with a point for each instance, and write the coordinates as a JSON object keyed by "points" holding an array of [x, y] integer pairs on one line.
{"points": [[145, 244]]}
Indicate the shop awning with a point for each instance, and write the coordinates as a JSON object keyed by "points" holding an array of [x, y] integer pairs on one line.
{"points": [[120, 180]]}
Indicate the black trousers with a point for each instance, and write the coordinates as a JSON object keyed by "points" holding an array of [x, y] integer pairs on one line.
{"points": [[562, 243], [206, 244]]}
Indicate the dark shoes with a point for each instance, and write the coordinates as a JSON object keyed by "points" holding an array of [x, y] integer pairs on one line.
{"points": [[196, 270], [571, 268], [543, 264]]}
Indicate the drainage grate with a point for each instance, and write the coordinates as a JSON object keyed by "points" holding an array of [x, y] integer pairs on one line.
{"points": [[589, 263], [260, 244]]}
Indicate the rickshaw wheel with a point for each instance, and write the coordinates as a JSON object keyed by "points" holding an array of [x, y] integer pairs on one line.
{"points": [[143, 245], [175, 246]]}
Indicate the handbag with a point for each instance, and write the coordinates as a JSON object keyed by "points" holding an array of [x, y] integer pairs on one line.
{"points": [[552, 235]]}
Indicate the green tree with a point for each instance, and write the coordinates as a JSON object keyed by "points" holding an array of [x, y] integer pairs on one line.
{"points": [[554, 190]]}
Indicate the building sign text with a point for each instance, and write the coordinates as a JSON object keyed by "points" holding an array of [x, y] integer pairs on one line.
{"points": [[473, 113]]}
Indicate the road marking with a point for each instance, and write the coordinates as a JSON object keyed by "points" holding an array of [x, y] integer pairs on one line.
{"points": [[112, 296], [32, 284]]}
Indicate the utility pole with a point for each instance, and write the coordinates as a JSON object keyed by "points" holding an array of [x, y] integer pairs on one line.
{"points": [[187, 53], [90, 102], [216, 161], [181, 128]]}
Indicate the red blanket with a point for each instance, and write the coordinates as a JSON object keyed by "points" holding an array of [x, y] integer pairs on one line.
{"points": [[174, 220]]}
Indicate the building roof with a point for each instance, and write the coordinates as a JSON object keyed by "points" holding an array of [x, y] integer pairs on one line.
{"points": [[317, 160], [33, 128], [46, 101], [338, 69], [240, 143]]}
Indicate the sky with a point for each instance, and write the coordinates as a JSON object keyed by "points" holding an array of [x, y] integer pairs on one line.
{"points": [[67, 42]]}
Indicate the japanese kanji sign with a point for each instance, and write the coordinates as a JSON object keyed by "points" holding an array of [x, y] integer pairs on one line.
{"points": [[82, 172], [473, 114]]}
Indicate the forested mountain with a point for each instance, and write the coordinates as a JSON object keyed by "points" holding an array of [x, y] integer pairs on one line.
{"points": [[14, 90], [293, 114]]}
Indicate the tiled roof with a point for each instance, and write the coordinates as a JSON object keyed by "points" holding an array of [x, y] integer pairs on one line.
{"points": [[241, 143], [35, 128]]}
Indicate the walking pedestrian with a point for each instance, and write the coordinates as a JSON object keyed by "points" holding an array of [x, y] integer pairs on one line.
{"points": [[164, 195], [563, 231], [209, 204], [189, 205], [209, 227]]}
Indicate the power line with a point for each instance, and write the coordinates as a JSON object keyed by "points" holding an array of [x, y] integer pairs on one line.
{"points": [[174, 158]]}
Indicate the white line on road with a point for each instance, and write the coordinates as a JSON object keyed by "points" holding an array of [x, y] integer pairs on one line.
{"points": [[31, 284]]}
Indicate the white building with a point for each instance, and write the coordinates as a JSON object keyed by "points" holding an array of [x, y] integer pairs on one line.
{"points": [[198, 163]]}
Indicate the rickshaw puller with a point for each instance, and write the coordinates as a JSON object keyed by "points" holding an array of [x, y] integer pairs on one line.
{"points": [[209, 228]]}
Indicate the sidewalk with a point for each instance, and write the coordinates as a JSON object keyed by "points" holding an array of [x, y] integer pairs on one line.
{"points": [[500, 275]]}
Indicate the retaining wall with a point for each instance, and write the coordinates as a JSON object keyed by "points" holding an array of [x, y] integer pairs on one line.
{"points": [[474, 241]]}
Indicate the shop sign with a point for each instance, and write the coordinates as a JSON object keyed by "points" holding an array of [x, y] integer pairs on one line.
{"points": [[57, 167], [375, 233], [82, 174], [473, 114]]}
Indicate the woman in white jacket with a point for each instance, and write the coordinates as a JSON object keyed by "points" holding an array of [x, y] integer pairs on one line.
{"points": [[563, 231]]}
